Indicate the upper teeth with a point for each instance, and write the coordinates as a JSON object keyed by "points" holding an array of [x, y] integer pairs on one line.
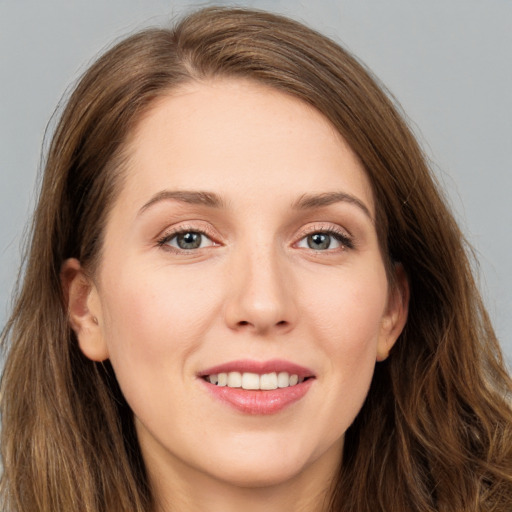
{"points": [[248, 380]]}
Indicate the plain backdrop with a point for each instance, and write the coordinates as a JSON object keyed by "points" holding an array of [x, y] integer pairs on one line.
{"points": [[448, 63]]}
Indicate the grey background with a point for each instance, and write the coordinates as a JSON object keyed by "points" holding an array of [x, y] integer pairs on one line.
{"points": [[447, 61]]}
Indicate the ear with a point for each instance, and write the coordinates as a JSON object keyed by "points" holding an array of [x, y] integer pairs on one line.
{"points": [[84, 310], [396, 315]]}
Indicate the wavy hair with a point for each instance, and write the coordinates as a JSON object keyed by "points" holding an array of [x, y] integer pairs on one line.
{"points": [[435, 432]]}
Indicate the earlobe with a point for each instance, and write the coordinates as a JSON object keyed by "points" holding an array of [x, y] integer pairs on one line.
{"points": [[394, 321], [81, 297]]}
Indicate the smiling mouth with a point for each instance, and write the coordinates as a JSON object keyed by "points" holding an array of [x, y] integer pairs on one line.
{"points": [[254, 381], [258, 387]]}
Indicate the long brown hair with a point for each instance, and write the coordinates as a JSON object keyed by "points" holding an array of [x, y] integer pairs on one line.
{"points": [[435, 432]]}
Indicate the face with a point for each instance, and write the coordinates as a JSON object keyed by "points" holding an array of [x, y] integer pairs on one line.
{"points": [[241, 250]]}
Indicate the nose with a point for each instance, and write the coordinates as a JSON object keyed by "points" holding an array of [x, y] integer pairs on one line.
{"points": [[260, 297]]}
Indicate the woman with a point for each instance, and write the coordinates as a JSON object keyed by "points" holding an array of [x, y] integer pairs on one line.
{"points": [[244, 289]]}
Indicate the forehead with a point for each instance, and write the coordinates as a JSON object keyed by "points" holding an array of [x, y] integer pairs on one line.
{"points": [[239, 137]]}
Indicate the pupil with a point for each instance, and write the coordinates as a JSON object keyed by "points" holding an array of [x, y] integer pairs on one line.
{"points": [[189, 240], [319, 241]]}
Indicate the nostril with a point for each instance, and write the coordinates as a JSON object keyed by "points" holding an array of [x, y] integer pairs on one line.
{"points": [[243, 323]]}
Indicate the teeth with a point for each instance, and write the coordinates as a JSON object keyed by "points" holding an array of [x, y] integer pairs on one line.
{"points": [[234, 380], [253, 381], [250, 381], [283, 380], [268, 381]]}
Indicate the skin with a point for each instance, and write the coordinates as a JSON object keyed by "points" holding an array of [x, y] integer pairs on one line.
{"points": [[254, 290]]}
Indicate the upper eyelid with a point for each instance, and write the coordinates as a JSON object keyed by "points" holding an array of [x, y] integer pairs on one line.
{"points": [[316, 227], [203, 228]]}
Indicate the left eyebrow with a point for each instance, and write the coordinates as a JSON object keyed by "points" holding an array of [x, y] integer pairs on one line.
{"points": [[311, 201]]}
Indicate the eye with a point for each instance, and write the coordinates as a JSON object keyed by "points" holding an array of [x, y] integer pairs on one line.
{"points": [[324, 240], [186, 240]]}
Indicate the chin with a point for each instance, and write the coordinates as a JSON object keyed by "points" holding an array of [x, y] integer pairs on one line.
{"points": [[258, 474], [268, 464]]}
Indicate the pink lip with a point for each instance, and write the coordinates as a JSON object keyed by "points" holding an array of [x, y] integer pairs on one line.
{"points": [[259, 402], [260, 367]]}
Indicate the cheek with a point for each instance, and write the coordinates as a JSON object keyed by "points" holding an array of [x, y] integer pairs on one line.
{"points": [[154, 315], [347, 310], [347, 324]]}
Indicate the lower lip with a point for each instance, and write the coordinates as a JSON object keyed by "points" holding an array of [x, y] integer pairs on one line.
{"points": [[261, 401]]}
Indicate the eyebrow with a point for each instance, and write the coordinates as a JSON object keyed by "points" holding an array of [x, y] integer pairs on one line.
{"points": [[312, 201], [305, 202], [185, 196]]}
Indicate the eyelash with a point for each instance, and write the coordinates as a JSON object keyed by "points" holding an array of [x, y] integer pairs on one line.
{"points": [[340, 236], [164, 240]]}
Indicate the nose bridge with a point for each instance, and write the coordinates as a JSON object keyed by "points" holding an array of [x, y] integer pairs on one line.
{"points": [[260, 295]]}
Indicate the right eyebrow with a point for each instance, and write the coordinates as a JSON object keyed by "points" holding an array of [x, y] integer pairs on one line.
{"points": [[184, 196]]}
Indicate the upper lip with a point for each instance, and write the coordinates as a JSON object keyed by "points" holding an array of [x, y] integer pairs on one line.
{"points": [[259, 367]]}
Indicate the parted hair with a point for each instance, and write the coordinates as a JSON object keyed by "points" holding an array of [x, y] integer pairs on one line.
{"points": [[435, 432]]}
